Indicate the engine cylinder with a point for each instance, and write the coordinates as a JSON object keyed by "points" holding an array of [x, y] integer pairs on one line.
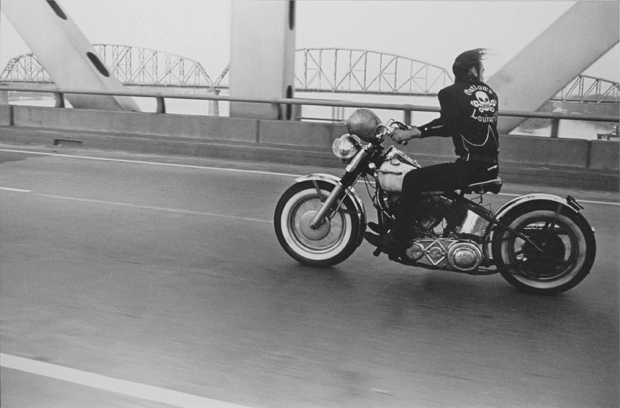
{"points": [[472, 224]]}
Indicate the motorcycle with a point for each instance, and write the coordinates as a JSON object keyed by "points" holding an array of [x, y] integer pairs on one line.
{"points": [[539, 243]]}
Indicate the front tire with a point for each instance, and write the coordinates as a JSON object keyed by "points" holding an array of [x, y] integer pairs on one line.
{"points": [[567, 240], [328, 245]]}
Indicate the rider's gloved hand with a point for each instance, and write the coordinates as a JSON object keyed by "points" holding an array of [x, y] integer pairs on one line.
{"points": [[399, 136]]}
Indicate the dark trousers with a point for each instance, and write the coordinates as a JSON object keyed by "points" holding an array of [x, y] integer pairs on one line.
{"points": [[440, 177]]}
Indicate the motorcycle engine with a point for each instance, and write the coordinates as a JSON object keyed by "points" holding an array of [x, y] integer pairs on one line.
{"points": [[432, 210], [446, 253]]}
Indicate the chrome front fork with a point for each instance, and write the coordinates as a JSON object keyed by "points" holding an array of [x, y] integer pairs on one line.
{"points": [[335, 196], [350, 178]]}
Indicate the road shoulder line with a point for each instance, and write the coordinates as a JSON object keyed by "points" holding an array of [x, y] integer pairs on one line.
{"points": [[102, 382]]}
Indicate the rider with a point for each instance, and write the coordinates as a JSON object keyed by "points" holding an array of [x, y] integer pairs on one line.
{"points": [[468, 115]]}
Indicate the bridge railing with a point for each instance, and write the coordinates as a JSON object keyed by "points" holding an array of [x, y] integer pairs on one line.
{"points": [[284, 104]]}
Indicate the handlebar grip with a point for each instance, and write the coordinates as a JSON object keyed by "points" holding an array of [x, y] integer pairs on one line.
{"points": [[398, 124]]}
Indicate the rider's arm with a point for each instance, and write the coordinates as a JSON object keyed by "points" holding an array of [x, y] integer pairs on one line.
{"points": [[446, 124], [401, 135]]}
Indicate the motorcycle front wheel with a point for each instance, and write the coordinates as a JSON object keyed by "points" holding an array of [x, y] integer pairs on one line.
{"points": [[332, 242], [568, 245]]}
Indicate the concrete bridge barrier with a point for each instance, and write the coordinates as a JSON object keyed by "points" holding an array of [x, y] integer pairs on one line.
{"points": [[577, 163]]}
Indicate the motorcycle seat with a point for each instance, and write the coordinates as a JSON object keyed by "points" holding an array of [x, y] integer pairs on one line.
{"points": [[489, 186]]}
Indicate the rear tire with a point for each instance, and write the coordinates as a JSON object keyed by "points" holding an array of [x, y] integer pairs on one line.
{"points": [[332, 242], [568, 242]]}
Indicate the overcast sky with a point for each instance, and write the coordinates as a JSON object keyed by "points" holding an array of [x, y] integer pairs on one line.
{"points": [[430, 31]]}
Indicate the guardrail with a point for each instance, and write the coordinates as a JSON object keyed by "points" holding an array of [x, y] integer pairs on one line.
{"points": [[407, 109]]}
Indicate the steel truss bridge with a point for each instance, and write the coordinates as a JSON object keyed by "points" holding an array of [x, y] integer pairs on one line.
{"points": [[329, 70], [361, 71]]}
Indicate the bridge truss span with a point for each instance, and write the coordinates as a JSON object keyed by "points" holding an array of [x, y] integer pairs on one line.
{"points": [[322, 70], [25, 68], [368, 72], [588, 89], [132, 66], [135, 66]]}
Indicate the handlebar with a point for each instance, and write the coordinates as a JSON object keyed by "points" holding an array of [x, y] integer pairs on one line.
{"points": [[388, 129]]}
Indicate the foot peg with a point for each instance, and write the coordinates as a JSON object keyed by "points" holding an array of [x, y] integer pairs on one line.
{"points": [[377, 252]]}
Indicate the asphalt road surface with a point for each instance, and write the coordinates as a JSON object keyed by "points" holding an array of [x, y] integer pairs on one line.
{"points": [[156, 281]]}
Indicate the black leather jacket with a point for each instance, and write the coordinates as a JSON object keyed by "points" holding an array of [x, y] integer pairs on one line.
{"points": [[468, 115]]}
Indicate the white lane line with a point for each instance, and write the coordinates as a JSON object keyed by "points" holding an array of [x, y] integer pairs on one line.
{"points": [[224, 169], [102, 382], [147, 207], [17, 190], [578, 200], [188, 166]]}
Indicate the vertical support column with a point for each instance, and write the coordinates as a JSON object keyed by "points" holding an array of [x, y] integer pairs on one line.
{"points": [[564, 50], [555, 128], [407, 117], [214, 105], [4, 96], [65, 53], [262, 57]]}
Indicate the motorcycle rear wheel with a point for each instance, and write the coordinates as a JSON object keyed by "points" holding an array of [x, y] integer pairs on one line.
{"points": [[567, 241], [330, 244]]}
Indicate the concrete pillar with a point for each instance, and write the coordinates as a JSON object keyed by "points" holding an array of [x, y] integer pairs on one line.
{"points": [[214, 106], [4, 96], [65, 53], [262, 57], [563, 51]]}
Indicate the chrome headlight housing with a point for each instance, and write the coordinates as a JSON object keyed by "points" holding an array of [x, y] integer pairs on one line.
{"points": [[346, 146]]}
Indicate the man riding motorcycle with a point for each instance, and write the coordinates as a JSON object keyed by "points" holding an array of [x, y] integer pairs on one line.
{"points": [[469, 112]]}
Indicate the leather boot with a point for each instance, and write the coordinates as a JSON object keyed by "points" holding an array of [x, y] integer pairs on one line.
{"points": [[389, 243]]}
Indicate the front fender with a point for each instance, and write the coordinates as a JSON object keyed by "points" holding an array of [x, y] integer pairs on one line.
{"points": [[528, 198], [355, 198]]}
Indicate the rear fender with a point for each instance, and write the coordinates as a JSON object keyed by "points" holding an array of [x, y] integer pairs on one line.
{"points": [[541, 197]]}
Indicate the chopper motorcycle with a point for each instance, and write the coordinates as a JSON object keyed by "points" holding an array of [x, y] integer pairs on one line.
{"points": [[539, 243]]}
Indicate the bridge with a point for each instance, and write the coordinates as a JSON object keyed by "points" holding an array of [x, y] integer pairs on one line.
{"points": [[362, 71], [133, 241], [586, 89], [328, 70]]}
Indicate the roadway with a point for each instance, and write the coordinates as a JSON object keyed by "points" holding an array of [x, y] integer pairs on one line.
{"points": [[151, 281]]}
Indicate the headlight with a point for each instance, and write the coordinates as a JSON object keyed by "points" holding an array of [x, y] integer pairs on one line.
{"points": [[346, 146]]}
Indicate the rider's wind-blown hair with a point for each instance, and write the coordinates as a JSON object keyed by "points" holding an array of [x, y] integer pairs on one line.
{"points": [[466, 60]]}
